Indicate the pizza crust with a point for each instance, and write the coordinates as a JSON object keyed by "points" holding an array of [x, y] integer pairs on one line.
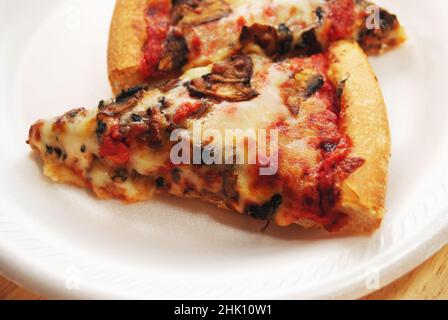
{"points": [[364, 118], [127, 37]]}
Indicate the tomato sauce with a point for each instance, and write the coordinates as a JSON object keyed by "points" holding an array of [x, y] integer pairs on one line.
{"points": [[317, 198], [158, 20], [342, 19], [115, 148], [241, 22], [186, 110], [196, 46], [269, 11]]}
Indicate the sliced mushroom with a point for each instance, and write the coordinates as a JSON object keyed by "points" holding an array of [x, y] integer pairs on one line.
{"points": [[229, 80], [280, 40], [156, 134], [196, 12], [286, 38], [127, 94], [313, 85], [308, 43], [125, 101], [234, 92], [238, 68], [264, 211], [303, 86], [175, 53], [265, 36]]}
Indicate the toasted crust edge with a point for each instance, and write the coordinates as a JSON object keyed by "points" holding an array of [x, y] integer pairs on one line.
{"points": [[127, 37], [364, 118]]}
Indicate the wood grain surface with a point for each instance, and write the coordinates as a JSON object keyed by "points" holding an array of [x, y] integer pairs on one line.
{"points": [[429, 281]]}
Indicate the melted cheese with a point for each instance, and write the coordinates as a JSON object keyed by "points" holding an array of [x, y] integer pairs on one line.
{"points": [[255, 114], [274, 12]]}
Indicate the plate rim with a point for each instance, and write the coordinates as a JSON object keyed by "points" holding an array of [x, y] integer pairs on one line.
{"points": [[350, 285], [24, 272]]}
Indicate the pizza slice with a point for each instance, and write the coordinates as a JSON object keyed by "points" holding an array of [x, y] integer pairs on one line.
{"points": [[151, 40], [301, 140]]}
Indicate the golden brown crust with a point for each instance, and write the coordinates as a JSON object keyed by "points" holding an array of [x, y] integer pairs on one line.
{"points": [[127, 37], [364, 119]]}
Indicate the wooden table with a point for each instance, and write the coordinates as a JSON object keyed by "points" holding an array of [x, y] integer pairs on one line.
{"points": [[429, 281]]}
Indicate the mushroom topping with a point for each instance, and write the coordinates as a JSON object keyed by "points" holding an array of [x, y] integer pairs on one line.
{"points": [[265, 211], [125, 101], [175, 53], [298, 89], [285, 39], [279, 41], [308, 43], [313, 85], [229, 80], [156, 134], [265, 36], [196, 12]]}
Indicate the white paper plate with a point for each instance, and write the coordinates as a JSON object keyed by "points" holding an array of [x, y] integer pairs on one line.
{"points": [[63, 243]]}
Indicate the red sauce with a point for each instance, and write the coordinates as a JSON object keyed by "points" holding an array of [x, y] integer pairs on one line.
{"points": [[342, 19], [136, 131], [318, 62], [269, 11], [241, 22], [186, 110], [115, 148], [158, 19], [196, 45], [317, 197], [263, 183]]}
